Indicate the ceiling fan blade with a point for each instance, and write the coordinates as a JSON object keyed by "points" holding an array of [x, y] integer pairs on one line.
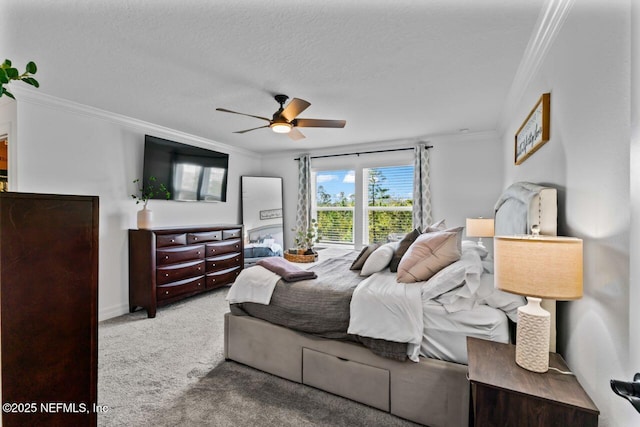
{"points": [[249, 130], [295, 134], [224, 110], [319, 123], [295, 107]]}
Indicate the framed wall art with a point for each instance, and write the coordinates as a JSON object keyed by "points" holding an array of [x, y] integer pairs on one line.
{"points": [[534, 132]]}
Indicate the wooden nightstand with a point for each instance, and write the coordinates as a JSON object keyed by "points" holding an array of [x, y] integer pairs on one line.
{"points": [[504, 394]]}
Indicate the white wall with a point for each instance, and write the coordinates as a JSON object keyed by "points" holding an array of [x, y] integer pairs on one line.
{"points": [[587, 72], [70, 149], [634, 252], [466, 175]]}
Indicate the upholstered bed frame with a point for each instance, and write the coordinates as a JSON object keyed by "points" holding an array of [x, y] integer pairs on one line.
{"points": [[431, 392]]}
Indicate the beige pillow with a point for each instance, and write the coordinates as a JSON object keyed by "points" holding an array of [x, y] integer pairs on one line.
{"points": [[363, 255], [409, 239], [379, 259], [430, 253]]}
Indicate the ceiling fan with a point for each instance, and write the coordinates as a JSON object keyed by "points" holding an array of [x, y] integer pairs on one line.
{"points": [[285, 119]]}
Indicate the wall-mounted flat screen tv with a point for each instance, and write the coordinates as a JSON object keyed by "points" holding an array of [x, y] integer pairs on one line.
{"points": [[189, 173]]}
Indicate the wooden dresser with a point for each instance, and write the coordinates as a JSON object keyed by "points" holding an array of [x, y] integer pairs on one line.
{"points": [[169, 264], [49, 309]]}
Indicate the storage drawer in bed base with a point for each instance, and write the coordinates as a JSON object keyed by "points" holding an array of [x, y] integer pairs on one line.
{"points": [[346, 378], [431, 392]]}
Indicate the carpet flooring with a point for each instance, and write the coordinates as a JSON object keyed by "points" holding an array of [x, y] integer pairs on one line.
{"points": [[170, 371]]}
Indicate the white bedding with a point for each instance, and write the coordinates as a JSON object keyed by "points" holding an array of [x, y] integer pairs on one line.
{"points": [[383, 308], [253, 284], [437, 314], [445, 334]]}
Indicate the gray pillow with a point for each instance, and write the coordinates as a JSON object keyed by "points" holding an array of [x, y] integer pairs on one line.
{"points": [[402, 248], [363, 255]]}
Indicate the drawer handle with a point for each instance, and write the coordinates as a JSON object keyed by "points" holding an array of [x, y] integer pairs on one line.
{"points": [[166, 274], [195, 238], [199, 284], [166, 257], [213, 280], [166, 292], [199, 268], [172, 240], [237, 246], [213, 265], [213, 251], [198, 253], [237, 259], [237, 272]]}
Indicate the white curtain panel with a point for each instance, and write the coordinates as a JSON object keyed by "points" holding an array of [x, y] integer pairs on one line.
{"points": [[304, 193], [421, 187]]}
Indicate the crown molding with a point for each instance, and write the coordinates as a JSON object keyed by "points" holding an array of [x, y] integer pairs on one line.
{"points": [[550, 20], [32, 96], [433, 139]]}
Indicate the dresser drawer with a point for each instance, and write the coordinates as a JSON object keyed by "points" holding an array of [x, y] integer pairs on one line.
{"points": [[223, 262], [205, 236], [214, 249], [165, 240], [231, 234], [181, 287], [179, 254], [222, 277], [357, 381], [173, 273]]}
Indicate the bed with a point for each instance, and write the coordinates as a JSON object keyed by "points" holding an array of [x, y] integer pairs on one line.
{"points": [[433, 389]]}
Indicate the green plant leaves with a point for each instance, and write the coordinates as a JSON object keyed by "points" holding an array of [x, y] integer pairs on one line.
{"points": [[8, 73], [31, 67], [12, 73], [31, 81]]}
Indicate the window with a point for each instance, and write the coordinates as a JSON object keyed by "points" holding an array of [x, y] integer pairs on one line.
{"points": [[335, 204], [381, 207], [389, 202]]}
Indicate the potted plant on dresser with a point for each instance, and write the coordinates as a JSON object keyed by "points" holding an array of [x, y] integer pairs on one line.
{"points": [[145, 215]]}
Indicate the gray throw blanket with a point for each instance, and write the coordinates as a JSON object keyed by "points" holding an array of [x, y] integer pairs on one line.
{"points": [[320, 307], [285, 269]]}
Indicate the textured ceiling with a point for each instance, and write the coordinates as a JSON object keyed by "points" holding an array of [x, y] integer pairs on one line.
{"points": [[391, 69]]}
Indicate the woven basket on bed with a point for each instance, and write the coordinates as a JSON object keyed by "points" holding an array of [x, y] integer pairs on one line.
{"points": [[300, 258]]}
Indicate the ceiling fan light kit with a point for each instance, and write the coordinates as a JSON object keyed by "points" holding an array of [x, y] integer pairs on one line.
{"points": [[281, 127], [285, 119]]}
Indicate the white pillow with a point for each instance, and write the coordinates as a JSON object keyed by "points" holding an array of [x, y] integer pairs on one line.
{"points": [[379, 259], [462, 272], [487, 294]]}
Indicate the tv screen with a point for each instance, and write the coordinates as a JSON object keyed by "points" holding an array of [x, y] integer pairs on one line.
{"points": [[189, 173]]}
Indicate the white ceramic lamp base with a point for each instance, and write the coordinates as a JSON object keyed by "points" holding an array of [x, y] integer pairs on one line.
{"points": [[532, 336]]}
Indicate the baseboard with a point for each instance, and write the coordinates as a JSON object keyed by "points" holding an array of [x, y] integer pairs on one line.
{"points": [[113, 311]]}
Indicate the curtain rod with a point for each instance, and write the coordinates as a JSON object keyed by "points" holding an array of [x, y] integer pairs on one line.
{"points": [[362, 152]]}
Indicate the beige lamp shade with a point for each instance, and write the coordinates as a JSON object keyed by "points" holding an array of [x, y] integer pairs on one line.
{"points": [[539, 266], [479, 227]]}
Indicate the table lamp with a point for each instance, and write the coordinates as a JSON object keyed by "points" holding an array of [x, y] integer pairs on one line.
{"points": [[479, 227], [537, 267]]}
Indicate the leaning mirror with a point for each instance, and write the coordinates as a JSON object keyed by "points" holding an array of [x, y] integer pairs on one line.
{"points": [[262, 217]]}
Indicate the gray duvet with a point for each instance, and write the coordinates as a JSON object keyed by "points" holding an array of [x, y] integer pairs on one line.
{"points": [[320, 306]]}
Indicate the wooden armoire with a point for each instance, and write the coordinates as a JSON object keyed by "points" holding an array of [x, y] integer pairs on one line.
{"points": [[48, 309]]}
